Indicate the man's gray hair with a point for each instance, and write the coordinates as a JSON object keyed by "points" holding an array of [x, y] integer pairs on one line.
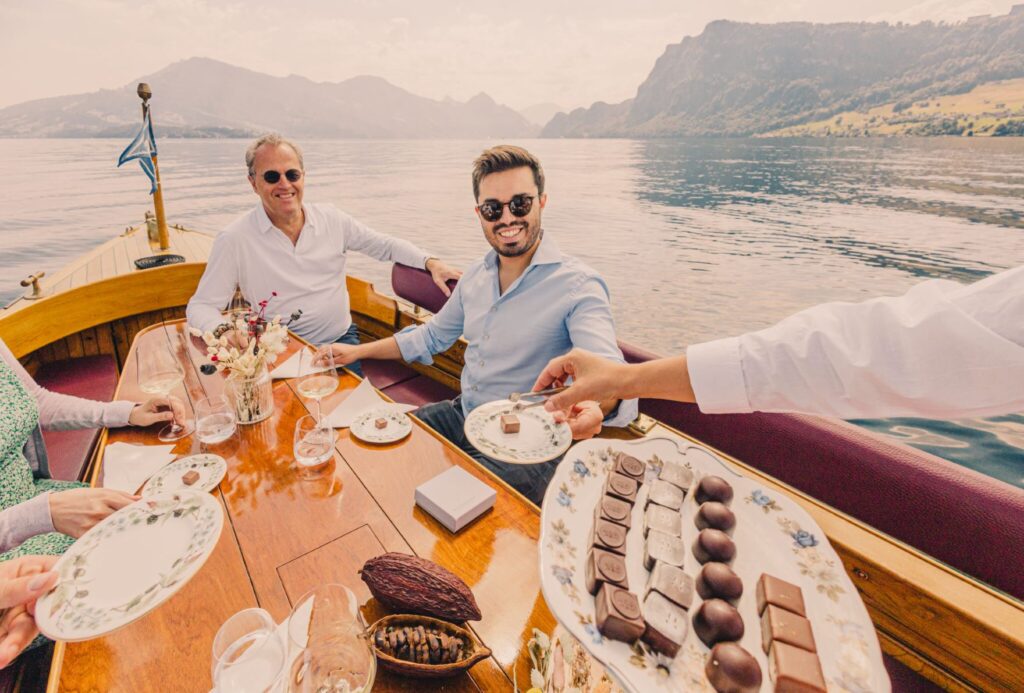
{"points": [[274, 140]]}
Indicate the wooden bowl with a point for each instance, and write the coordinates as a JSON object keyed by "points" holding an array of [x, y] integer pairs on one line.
{"points": [[473, 652]]}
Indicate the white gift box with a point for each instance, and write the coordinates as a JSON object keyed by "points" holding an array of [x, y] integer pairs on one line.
{"points": [[455, 498]]}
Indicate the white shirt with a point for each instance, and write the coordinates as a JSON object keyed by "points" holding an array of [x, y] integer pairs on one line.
{"points": [[943, 350], [255, 255]]}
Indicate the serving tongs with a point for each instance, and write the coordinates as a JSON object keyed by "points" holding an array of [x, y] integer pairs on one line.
{"points": [[518, 397]]}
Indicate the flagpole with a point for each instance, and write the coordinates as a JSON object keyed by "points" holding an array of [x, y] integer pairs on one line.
{"points": [[145, 93]]}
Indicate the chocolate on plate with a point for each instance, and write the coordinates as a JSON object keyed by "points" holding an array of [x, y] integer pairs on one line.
{"points": [[713, 545], [665, 494], [677, 475], [618, 614], [671, 582], [715, 515], [717, 621], [713, 488], [608, 536], [793, 669], [604, 567], [380, 423], [630, 466], [509, 423], [613, 510], [718, 580], [190, 477], [731, 669], [659, 546], [779, 625], [621, 486], [662, 519], [772, 590], [665, 624]]}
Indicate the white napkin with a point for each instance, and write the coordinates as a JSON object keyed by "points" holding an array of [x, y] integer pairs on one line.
{"points": [[126, 466], [292, 368], [360, 400]]}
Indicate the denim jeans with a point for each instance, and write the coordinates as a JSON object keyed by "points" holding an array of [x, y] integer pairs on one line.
{"points": [[351, 336], [446, 418]]}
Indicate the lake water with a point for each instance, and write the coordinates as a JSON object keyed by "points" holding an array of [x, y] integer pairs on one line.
{"points": [[698, 239]]}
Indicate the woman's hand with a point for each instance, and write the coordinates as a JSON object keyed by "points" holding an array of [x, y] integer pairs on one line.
{"points": [[76, 511], [157, 410], [22, 581]]}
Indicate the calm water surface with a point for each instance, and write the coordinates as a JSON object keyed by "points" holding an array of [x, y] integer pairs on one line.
{"points": [[698, 239]]}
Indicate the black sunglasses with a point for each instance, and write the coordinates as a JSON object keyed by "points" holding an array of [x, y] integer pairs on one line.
{"points": [[519, 205], [292, 174]]}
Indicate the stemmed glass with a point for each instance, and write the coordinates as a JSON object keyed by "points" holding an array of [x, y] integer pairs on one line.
{"points": [[325, 629], [313, 447], [248, 654], [317, 380], [159, 372]]}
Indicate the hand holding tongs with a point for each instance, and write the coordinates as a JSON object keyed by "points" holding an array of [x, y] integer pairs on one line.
{"points": [[516, 397]]}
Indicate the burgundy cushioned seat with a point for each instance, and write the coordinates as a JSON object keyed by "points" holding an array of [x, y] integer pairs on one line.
{"points": [[418, 286], [419, 391], [386, 373], [92, 377]]}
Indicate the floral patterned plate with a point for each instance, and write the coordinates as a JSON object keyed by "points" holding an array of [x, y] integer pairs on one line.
{"points": [[773, 535], [365, 428], [539, 438], [210, 468], [129, 564]]}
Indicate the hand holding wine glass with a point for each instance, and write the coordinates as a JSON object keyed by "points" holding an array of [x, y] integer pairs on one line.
{"points": [[317, 377], [159, 372]]}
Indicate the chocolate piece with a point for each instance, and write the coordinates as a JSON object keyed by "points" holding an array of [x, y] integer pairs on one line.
{"points": [[659, 546], [621, 487], [618, 614], [509, 423], [713, 488], [608, 536], [713, 545], [665, 494], [731, 669], [677, 475], [718, 580], [717, 621], [190, 477], [665, 624], [380, 423], [662, 519], [779, 625], [630, 466], [602, 567], [672, 582], [715, 515], [794, 670], [772, 590], [613, 510]]}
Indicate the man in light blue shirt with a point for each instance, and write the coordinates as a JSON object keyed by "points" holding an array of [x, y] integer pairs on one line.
{"points": [[524, 303]]}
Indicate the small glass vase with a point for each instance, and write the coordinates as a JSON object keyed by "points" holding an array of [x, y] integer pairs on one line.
{"points": [[252, 396]]}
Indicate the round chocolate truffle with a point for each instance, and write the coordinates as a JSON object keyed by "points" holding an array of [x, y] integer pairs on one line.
{"points": [[717, 621], [731, 669], [713, 545], [715, 515], [713, 488], [718, 580]]}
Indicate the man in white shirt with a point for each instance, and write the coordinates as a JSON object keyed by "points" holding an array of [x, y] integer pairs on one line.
{"points": [[943, 350], [293, 254]]}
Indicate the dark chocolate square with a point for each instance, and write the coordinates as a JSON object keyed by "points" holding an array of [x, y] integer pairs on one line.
{"points": [[602, 567], [618, 614], [614, 510], [609, 536], [621, 486]]}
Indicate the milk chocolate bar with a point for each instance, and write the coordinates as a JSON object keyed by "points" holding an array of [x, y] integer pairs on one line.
{"points": [[380, 423], [665, 624], [509, 423], [677, 475], [779, 625], [666, 548], [671, 582], [604, 567], [665, 494], [772, 590], [621, 486], [630, 466], [190, 477], [794, 670], [608, 536], [618, 614], [662, 519], [613, 510]]}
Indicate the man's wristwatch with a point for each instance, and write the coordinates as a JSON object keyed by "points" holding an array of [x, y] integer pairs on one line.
{"points": [[220, 329]]}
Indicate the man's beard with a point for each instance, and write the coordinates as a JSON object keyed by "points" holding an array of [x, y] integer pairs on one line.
{"points": [[532, 236]]}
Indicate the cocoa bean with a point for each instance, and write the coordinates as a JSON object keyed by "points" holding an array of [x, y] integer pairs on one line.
{"points": [[410, 584]]}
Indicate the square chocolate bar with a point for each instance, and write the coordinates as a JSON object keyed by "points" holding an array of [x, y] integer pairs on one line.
{"points": [[662, 519], [671, 582], [608, 536], [779, 625], [666, 494], [772, 590], [618, 614], [630, 466], [509, 423], [602, 567], [621, 486], [677, 475], [666, 548], [665, 624], [613, 510], [793, 669]]}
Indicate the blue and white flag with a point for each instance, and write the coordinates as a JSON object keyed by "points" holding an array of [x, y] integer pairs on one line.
{"points": [[143, 148]]}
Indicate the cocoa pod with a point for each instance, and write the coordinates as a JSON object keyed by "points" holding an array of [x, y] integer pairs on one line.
{"points": [[409, 584]]}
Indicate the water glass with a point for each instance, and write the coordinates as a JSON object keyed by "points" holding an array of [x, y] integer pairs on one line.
{"points": [[313, 446], [325, 629], [248, 654], [215, 419]]}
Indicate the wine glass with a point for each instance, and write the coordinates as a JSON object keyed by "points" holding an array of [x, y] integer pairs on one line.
{"points": [[248, 654], [317, 379], [313, 447], [325, 629], [159, 372], [215, 420]]}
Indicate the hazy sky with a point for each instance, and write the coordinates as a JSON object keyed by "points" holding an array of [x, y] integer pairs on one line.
{"points": [[521, 53]]}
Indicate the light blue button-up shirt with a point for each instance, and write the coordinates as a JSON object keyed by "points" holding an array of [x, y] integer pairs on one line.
{"points": [[558, 303]]}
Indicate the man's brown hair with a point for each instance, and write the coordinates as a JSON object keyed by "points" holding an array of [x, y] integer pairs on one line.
{"points": [[503, 158]]}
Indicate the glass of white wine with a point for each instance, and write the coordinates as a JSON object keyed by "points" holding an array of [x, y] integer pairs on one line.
{"points": [[314, 381], [159, 372], [313, 447]]}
